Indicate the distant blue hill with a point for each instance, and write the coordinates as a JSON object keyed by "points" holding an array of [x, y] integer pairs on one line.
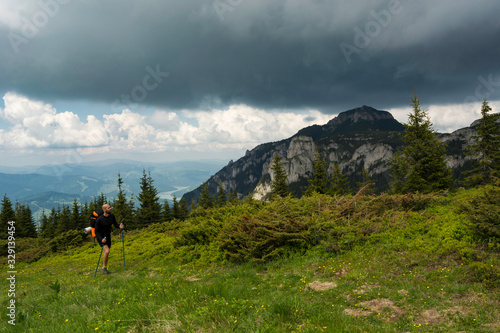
{"points": [[49, 186]]}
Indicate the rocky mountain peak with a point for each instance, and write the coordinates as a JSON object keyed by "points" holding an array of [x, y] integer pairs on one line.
{"points": [[361, 119], [362, 114]]}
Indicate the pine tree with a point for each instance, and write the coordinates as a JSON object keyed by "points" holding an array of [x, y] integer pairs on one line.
{"points": [[100, 200], [279, 184], [339, 182], [25, 227], [63, 220], [44, 226], [176, 212], [485, 150], [420, 166], [50, 228], [122, 208], [149, 207], [75, 222], [166, 215], [183, 209], [366, 183], [221, 196], [7, 214], [233, 197], [205, 197], [319, 182]]}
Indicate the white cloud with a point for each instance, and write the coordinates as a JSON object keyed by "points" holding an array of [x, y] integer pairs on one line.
{"points": [[38, 125]]}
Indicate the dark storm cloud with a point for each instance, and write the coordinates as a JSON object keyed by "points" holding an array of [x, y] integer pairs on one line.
{"points": [[278, 54]]}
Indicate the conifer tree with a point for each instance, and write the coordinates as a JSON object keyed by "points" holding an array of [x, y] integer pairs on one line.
{"points": [[100, 200], [485, 150], [50, 230], [149, 206], [205, 197], [183, 209], [279, 184], [366, 181], [25, 226], [75, 219], [122, 208], [420, 166], [7, 214], [176, 212], [319, 182], [44, 226], [166, 214], [221, 196], [233, 197], [63, 223], [339, 182]]}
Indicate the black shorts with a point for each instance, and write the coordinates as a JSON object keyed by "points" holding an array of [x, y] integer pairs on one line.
{"points": [[108, 242]]}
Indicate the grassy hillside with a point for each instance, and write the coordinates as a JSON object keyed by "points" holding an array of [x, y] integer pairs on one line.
{"points": [[319, 264]]}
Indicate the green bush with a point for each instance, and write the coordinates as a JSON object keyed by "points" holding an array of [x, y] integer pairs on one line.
{"points": [[483, 210]]}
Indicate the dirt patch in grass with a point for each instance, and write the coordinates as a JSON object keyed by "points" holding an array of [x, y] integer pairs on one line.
{"points": [[192, 278], [380, 306], [320, 286], [433, 317], [364, 288]]}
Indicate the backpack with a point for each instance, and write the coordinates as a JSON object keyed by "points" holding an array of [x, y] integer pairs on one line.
{"points": [[93, 217]]}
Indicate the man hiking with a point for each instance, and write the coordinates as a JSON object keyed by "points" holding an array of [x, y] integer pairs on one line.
{"points": [[103, 233]]}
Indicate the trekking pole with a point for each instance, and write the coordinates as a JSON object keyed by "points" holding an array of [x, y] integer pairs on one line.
{"points": [[123, 250], [98, 263]]}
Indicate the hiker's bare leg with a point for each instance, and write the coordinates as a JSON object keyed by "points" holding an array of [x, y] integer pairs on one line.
{"points": [[105, 251]]}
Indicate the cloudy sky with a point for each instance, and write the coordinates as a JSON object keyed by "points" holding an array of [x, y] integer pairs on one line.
{"points": [[162, 80]]}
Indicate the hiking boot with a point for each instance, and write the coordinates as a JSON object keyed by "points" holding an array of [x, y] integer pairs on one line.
{"points": [[105, 271]]}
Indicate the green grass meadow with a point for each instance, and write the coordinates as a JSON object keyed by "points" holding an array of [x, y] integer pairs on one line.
{"points": [[374, 264]]}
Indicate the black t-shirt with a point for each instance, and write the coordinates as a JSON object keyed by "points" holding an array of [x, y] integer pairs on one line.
{"points": [[103, 226]]}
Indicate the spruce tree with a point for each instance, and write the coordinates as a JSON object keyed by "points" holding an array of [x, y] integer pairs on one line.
{"points": [[149, 207], [319, 182], [339, 183], [279, 184], [75, 219], [50, 230], [176, 211], [63, 223], [485, 149], [25, 227], [183, 209], [366, 182], [233, 197], [166, 214], [205, 200], [44, 226], [221, 196], [122, 207], [7, 214], [420, 166]]}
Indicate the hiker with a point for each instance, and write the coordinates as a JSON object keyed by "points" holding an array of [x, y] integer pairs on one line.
{"points": [[103, 233]]}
